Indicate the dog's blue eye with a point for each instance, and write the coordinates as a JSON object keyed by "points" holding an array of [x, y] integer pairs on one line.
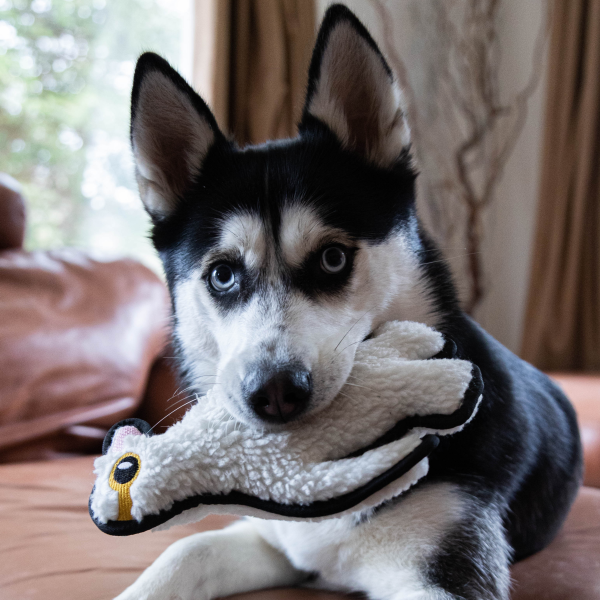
{"points": [[222, 278], [333, 260]]}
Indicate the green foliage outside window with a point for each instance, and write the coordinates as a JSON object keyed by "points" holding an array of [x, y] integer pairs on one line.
{"points": [[65, 78]]}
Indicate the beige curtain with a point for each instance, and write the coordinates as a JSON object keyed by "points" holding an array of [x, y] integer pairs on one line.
{"points": [[562, 324], [251, 64]]}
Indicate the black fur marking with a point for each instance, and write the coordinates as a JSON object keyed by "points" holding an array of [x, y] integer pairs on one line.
{"points": [[465, 564], [440, 286], [313, 281]]}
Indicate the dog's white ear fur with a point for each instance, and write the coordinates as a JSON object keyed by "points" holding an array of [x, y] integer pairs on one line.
{"points": [[352, 90], [172, 130]]}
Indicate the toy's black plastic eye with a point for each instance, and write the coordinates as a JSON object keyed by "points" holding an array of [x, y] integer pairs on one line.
{"points": [[126, 469], [222, 278], [333, 259]]}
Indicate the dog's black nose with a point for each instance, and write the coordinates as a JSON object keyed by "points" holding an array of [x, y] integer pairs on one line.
{"points": [[283, 396]]}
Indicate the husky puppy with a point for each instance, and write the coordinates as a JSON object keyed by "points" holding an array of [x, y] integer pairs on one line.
{"points": [[280, 259]]}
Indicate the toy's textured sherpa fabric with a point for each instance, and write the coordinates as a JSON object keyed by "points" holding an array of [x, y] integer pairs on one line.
{"points": [[368, 445]]}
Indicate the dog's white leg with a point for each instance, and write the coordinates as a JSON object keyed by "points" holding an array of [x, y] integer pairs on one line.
{"points": [[214, 564]]}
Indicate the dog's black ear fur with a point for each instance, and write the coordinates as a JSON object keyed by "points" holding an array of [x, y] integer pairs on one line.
{"points": [[172, 131], [352, 90]]}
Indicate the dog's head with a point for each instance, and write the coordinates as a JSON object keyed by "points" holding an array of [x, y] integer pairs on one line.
{"points": [[282, 257]]}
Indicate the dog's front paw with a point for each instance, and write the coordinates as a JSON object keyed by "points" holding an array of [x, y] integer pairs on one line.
{"points": [[152, 591], [177, 574], [166, 585], [136, 592]]}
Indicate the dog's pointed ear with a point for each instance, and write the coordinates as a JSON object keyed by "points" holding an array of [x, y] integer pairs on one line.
{"points": [[352, 90], [172, 131]]}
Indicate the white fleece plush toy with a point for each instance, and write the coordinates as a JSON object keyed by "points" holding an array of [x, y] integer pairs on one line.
{"points": [[369, 445]]}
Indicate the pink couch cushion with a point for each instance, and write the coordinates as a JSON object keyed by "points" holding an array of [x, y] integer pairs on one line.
{"points": [[584, 392]]}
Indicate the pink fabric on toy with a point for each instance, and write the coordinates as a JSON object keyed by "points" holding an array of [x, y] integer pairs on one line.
{"points": [[120, 434]]}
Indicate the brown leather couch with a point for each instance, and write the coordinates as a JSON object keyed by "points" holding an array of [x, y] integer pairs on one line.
{"points": [[82, 346]]}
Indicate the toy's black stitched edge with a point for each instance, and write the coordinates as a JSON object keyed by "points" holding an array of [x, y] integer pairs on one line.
{"points": [[436, 422], [317, 509], [139, 424]]}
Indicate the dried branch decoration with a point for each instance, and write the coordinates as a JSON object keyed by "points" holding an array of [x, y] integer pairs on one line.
{"points": [[464, 132]]}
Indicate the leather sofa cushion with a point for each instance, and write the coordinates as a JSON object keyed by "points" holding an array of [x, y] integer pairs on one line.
{"points": [[78, 337], [584, 392], [52, 551], [568, 569]]}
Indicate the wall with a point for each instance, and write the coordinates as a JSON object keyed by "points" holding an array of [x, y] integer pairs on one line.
{"points": [[510, 222]]}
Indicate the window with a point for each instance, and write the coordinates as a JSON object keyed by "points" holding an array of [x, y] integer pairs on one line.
{"points": [[65, 78]]}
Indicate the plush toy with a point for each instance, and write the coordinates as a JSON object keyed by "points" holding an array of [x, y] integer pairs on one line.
{"points": [[368, 445]]}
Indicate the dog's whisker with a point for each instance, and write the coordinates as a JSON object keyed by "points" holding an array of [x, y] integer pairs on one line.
{"points": [[351, 328], [440, 248], [364, 387], [166, 416], [340, 393], [178, 392], [345, 348], [183, 400], [432, 262], [357, 378]]}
